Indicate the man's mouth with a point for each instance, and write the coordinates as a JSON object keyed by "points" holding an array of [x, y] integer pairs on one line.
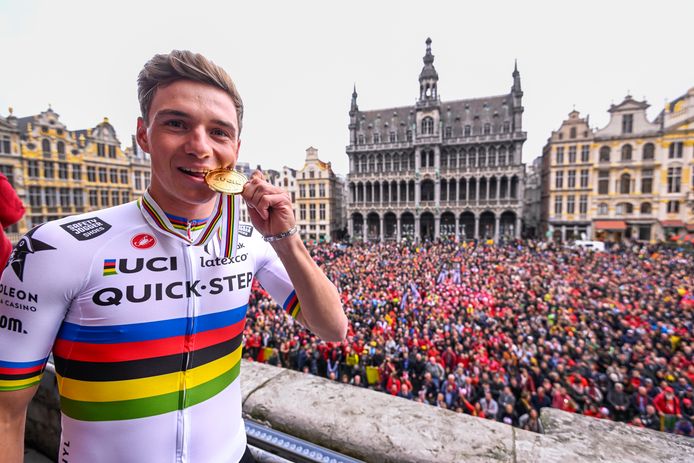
{"points": [[197, 173]]}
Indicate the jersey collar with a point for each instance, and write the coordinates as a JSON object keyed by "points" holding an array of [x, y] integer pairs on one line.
{"points": [[224, 220]]}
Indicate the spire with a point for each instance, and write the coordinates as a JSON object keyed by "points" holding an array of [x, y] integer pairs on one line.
{"points": [[516, 79], [354, 108], [428, 78]]}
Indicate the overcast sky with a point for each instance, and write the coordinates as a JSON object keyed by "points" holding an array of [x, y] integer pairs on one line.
{"points": [[295, 62]]}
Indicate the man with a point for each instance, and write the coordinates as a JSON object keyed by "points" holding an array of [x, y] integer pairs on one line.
{"points": [[146, 319]]}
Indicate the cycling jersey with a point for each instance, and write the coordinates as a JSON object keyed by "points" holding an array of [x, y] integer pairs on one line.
{"points": [[145, 331]]}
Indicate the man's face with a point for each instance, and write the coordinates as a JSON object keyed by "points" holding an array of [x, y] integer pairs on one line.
{"points": [[192, 128]]}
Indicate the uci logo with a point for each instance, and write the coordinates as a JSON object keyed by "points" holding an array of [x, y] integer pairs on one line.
{"points": [[156, 264]]}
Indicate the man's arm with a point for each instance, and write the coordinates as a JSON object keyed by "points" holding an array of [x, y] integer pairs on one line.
{"points": [[13, 410], [271, 213]]}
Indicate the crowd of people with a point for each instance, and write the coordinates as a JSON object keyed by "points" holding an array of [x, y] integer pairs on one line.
{"points": [[501, 331]]}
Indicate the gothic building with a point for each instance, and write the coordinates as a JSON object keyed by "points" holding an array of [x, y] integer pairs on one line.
{"points": [[439, 168]]}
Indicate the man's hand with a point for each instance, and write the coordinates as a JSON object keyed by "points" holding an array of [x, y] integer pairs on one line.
{"points": [[269, 207]]}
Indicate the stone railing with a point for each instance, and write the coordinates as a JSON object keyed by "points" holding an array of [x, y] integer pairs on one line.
{"points": [[377, 427]]}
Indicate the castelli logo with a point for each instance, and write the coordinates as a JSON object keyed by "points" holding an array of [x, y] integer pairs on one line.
{"points": [[143, 241]]}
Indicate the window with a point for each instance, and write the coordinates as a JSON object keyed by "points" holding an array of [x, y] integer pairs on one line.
{"points": [[377, 137], [91, 174], [585, 153], [321, 190], [76, 172], [626, 153], [312, 174], [557, 205], [102, 175], [5, 147], [674, 179], [51, 199], [361, 139], [627, 123], [585, 179], [104, 198], [602, 209], [61, 150], [625, 184], [114, 198], [502, 157], [48, 171], [113, 175], [605, 154], [604, 182], [147, 175], [449, 132], [647, 181], [62, 171], [65, 197], [560, 155], [393, 138], [124, 176], [675, 150], [583, 205], [321, 212], [33, 169], [93, 201], [648, 151], [487, 129], [646, 208], [125, 195], [572, 132], [572, 154], [312, 212], [138, 180], [312, 191], [467, 131], [624, 209], [673, 207], [572, 179], [427, 126], [78, 197], [644, 232], [302, 212], [46, 148], [507, 127], [559, 179], [409, 135], [35, 196], [570, 204], [112, 151], [302, 191], [100, 150]]}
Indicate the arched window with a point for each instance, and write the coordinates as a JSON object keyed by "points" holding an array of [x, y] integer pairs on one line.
{"points": [[624, 208], [625, 184], [648, 151], [487, 129], [46, 147], [427, 126], [646, 208], [602, 209], [605, 154], [626, 152]]}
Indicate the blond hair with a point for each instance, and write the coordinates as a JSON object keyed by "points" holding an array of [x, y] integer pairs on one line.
{"points": [[164, 69]]}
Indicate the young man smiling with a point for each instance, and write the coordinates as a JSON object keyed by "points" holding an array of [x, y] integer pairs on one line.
{"points": [[146, 340]]}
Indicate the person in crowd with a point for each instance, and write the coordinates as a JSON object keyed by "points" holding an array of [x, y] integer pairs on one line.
{"points": [[11, 211]]}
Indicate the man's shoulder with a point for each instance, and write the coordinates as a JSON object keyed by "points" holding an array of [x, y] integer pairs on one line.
{"points": [[90, 227]]}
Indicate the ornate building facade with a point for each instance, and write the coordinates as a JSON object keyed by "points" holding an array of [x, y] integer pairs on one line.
{"points": [[319, 199], [58, 172], [437, 169]]}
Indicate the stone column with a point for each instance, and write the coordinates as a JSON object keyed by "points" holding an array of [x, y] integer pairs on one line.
{"points": [[518, 227], [416, 228], [477, 186], [457, 227], [381, 229], [398, 233], [437, 227], [563, 233], [477, 227], [497, 222], [350, 227]]}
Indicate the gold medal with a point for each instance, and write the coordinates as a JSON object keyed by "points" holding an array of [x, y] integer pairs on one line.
{"points": [[226, 181]]}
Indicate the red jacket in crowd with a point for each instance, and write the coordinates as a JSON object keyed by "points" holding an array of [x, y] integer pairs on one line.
{"points": [[11, 210]]}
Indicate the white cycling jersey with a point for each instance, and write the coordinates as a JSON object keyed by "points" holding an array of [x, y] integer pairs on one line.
{"points": [[145, 331]]}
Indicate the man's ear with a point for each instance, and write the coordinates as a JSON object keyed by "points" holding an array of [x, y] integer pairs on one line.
{"points": [[141, 135]]}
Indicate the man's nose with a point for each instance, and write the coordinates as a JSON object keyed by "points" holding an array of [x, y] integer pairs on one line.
{"points": [[198, 143]]}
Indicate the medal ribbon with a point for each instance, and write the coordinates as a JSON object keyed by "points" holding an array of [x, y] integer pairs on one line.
{"points": [[224, 220]]}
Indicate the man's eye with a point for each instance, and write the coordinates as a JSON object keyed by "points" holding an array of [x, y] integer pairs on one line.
{"points": [[219, 133], [174, 123]]}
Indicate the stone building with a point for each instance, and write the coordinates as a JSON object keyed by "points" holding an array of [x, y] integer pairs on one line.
{"points": [[59, 172], [567, 180], [437, 168], [532, 209], [319, 199]]}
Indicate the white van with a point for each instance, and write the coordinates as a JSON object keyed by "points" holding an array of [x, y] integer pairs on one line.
{"points": [[594, 245]]}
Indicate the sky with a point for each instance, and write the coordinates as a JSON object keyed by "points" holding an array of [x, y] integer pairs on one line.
{"points": [[295, 62]]}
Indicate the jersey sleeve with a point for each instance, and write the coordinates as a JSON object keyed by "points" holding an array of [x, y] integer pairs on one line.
{"points": [[274, 278], [35, 293]]}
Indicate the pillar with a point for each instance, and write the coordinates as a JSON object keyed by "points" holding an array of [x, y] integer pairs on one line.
{"points": [[398, 233], [381, 229], [518, 227], [497, 222], [437, 227], [477, 227]]}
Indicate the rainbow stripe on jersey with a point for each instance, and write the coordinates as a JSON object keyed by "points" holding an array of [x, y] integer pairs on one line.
{"points": [[20, 375], [123, 372]]}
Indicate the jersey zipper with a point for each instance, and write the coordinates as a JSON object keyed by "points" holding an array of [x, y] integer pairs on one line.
{"points": [[182, 450]]}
